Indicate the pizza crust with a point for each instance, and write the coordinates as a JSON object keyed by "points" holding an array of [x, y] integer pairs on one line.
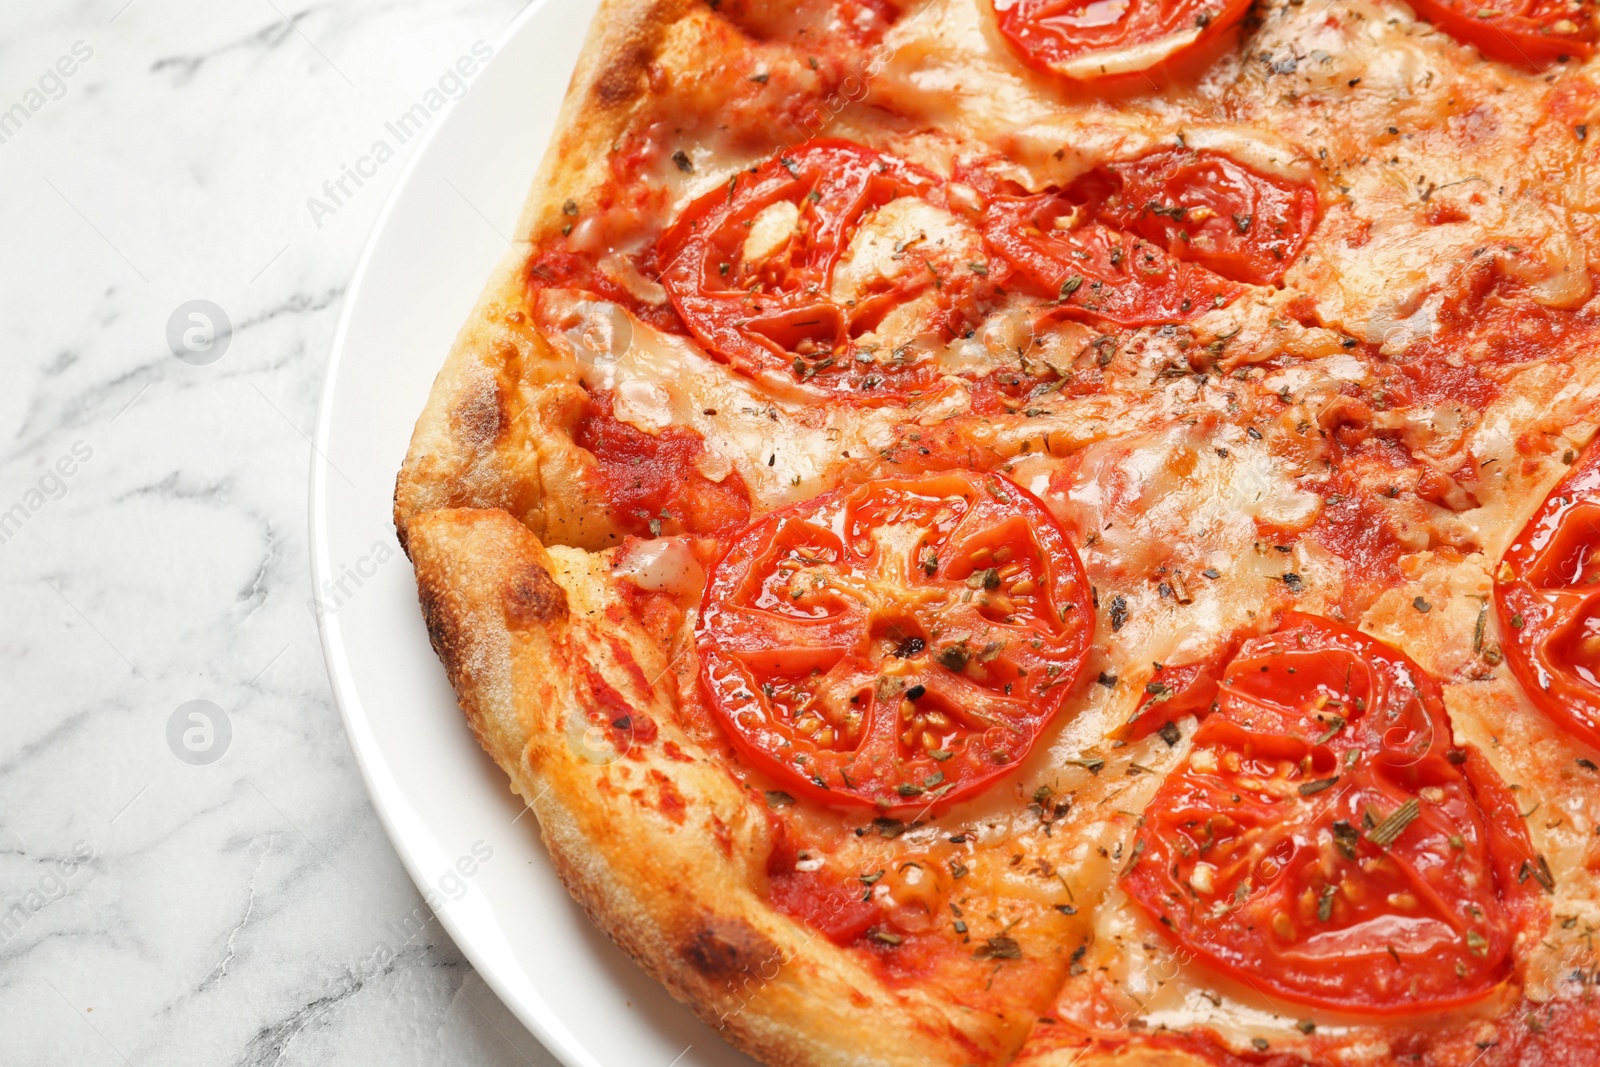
{"points": [[496, 430]]}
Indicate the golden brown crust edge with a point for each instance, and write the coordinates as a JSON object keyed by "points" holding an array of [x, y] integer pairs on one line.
{"points": [[498, 419], [511, 622]]}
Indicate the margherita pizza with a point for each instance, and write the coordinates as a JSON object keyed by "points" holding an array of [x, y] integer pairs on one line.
{"points": [[1053, 532]]}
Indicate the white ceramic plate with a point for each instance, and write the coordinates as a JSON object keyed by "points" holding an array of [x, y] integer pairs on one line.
{"points": [[441, 799]]}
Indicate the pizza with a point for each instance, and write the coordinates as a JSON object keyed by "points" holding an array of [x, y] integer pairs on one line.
{"points": [[1052, 532]]}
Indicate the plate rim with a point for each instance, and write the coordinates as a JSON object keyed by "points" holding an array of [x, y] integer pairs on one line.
{"points": [[559, 1041]]}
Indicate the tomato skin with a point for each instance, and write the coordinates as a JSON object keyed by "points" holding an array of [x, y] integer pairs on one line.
{"points": [[1523, 32], [1209, 209], [1547, 594], [1320, 738], [1177, 692], [863, 649], [776, 316], [1096, 272], [1076, 39], [1147, 241]]}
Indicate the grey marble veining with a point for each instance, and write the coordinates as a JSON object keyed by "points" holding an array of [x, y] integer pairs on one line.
{"points": [[159, 905]]}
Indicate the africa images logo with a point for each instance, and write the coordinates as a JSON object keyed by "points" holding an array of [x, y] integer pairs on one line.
{"points": [[51, 85], [451, 85], [199, 332]]}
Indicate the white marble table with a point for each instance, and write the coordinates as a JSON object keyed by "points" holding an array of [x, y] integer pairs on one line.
{"points": [[159, 905]]}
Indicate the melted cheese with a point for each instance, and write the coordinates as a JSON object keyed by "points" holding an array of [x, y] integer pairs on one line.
{"points": [[661, 565], [771, 229], [785, 448], [949, 64], [878, 251]]}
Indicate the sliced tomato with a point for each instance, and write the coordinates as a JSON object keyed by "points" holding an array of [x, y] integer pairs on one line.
{"points": [[897, 644], [1531, 33], [1089, 39], [778, 309], [1548, 598], [1325, 841], [1094, 271], [1209, 209], [1178, 692]]}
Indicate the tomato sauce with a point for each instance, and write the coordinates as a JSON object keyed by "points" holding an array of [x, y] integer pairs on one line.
{"points": [[848, 22], [659, 613], [650, 481], [1489, 321], [1353, 526], [840, 911], [669, 800], [627, 725], [1010, 392]]}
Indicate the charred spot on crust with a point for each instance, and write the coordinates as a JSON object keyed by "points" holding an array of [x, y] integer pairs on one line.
{"points": [[724, 948], [402, 527], [533, 598], [441, 623], [479, 414], [619, 82]]}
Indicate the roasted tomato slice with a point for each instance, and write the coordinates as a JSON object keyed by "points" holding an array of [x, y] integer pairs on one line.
{"points": [[1089, 39], [1207, 208], [825, 265], [897, 644], [1094, 271], [1325, 841], [1532, 33], [1548, 596]]}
